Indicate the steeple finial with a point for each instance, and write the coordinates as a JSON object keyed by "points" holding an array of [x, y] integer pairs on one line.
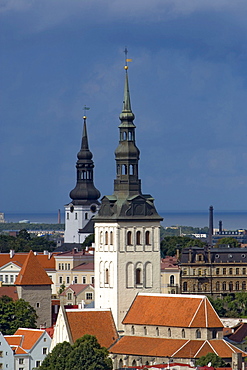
{"points": [[126, 101]]}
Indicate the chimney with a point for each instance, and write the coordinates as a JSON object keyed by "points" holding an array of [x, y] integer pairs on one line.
{"points": [[220, 227], [11, 253], [211, 226], [45, 253]]}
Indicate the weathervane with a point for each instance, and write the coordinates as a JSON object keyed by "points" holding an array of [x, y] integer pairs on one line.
{"points": [[126, 59], [85, 108]]}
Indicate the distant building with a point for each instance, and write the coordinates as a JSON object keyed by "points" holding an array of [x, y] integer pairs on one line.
{"points": [[213, 271], [78, 294], [170, 275], [84, 197], [2, 220]]}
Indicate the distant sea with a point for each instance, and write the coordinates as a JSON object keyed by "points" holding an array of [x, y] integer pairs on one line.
{"points": [[231, 220]]}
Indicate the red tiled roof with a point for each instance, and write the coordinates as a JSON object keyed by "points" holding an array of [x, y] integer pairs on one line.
{"points": [[32, 273], [10, 291], [20, 351], [94, 322], [14, 340], [172, 310], [169, 262], [76, 288], [238, 335], [50, 331], [30, 337], [177, 348]]}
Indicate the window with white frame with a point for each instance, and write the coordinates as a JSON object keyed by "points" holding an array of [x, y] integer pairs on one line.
{"points": [[89, 296]]}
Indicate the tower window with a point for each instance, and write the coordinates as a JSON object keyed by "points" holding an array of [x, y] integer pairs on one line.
{"points": [[169, 333], [138, 237], [125, 135], [157, 332], [198, 334], [129, 238], [86, 216], [138, 276], [124, 169], [147, 237], [183, 333], [67, 215], [130, 136], [132, 330], [185, 286], [76, 216], [106, 276], [172, 280], [106, 237], [111, 238]]}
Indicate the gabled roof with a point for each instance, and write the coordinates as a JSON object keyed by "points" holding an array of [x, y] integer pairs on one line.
{"points": [[173, 311], [94, 322], [10, 291], [239, 334], [76, 288], [14, 340], [32, 273], [29, 337], [169, 263], [46, 260], [176, 348]]}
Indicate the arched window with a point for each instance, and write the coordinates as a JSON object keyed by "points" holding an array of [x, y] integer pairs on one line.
{"points": [[101, 237], [138, 237], [134, 363], [145, 330], [111, 238], [129, 238], [237, 271], [106, 276], [124, 169], [224, 285], [198, 334], [169, 333], [132, 330], [130, 275], [230, 271], [120, 364], [230, 286], [106, 237], [183, 333], [138, 276], [148, 275], [157, 332], [244, 270], [217, 286], [172, 280], [214, 334], [237, 285], [125, 135], [147, 237], [185, 286], [86, 216], [244, 285]]}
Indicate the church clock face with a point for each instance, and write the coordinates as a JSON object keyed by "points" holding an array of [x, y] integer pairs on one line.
{"points": [[93, 208]]}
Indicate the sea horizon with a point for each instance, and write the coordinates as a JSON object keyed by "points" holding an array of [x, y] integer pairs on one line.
{"points": [[231, 220]]}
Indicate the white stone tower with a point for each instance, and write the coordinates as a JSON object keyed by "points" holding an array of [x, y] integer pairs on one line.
{"points": [[84, 196], [127, 230]]}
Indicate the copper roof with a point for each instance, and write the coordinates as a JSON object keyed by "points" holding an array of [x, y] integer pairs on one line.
{"points": [[94, 322], [32, 273]]}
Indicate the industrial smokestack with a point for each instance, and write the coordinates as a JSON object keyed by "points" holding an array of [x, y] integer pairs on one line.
{"points": [[211, 226], [220, 227], [59, 217]]}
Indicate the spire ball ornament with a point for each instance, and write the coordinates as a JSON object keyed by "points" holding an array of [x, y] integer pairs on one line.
{"points": [[126, 67]]}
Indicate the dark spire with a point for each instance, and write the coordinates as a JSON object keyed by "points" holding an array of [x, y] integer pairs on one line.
{"points": [[84, 191], [127, 154]]}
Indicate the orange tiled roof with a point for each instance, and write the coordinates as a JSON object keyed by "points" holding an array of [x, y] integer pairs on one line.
{"points": [[19, 259], [20, 351], [32, 273], [14, 340], [176, 348], [94, 322], [30, 337], [172, 310]]}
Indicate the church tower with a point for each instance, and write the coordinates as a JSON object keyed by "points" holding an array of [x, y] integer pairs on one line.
{"points": [[127, 229], [84, 196]]}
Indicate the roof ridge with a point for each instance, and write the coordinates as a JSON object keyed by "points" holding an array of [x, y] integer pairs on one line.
{"points": [[206, 311], [179, 349]]}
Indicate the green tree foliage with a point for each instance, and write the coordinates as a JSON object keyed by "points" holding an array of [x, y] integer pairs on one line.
{"points": [[19, 226], [85, 354], [15, 314], [212, 358], [232, 242], [170, 244], [24, 242], [88, 241], [232, 305]]}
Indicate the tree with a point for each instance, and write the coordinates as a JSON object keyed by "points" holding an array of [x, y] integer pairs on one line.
{"points": [[88, 241], [15, 314], [170, 244], [85, 354], [212, 358], [232, 242]]}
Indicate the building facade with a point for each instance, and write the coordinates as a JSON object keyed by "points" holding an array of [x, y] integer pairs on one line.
{"points": [[213, 271]]}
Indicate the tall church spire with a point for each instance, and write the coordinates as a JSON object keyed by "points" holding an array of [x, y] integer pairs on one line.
{"points": [[84, 191], [127, 154]]}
